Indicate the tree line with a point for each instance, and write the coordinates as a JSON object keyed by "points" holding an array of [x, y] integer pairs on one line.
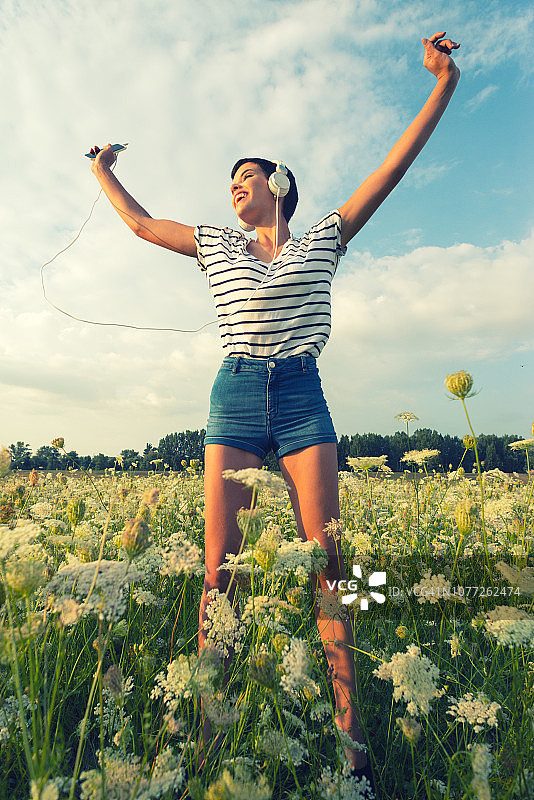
{"points": [[176, 450]]}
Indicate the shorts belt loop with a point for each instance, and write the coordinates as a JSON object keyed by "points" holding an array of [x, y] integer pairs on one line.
{"points": [[303, 362], [235, 368]]}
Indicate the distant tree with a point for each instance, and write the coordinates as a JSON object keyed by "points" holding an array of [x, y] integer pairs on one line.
{"points": [[21, 455], [129, 457], [343, 450], [47, 457], [177, 447], [101, 462], [149, 454], [72, 459]]}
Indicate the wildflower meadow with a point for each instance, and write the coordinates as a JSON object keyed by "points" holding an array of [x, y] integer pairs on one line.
{"points": [[101, 681]]}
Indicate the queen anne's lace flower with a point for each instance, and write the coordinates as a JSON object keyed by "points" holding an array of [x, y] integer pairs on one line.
{"points": [[295, 556], [18, 540], [126, 777], [510, 626], [476, 711], [366, 462], [268, 611], [108, 595], [414, 677], [185, 676], [419, 457], [241, 786], [225, 630], [432, 589], [333, 786], [182, 555], [223, 713], [295, 670], [257, 478], [481, 759]]}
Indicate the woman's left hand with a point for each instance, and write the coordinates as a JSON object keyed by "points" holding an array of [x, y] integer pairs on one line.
{"points": [[437, 58]]}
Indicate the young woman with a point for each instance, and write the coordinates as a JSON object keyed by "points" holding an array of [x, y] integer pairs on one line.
{"points": [[273, 301]]}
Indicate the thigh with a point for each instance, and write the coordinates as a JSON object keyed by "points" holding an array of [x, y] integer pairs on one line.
{"points": [[223, 500], [312, 477]]}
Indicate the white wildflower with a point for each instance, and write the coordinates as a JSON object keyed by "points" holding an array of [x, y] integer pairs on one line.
{"points": [[333, 786], [419, 457], [69, 610], [124, 776], [366, 463], [522, 444], [225, 630], [272, 745], [523, 579], [292, 557], [268, 611], [143, 597], [481, 759], [257, 478], [223, 713], [41, 510], [18, 539], [48, 791], [510, 626], [432, 589], [108, 596], [239, 786], [476, 711], [300, 558], [182, 555], [414, 678], [295, 670], [185, 676]]}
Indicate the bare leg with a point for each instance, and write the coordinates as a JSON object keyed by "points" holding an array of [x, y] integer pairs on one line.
{"points": [[311, 474], [223, 500]]}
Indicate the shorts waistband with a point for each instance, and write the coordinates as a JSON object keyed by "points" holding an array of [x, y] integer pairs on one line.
{"points": [[291, 364]]}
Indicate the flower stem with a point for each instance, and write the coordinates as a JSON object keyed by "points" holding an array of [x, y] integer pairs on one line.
{"points": [[480, 484]]}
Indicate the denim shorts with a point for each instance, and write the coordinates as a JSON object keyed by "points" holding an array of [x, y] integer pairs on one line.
{"points": [[263, 404]]}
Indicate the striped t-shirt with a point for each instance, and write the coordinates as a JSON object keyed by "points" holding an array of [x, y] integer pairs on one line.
{"points": [[289, 313]]}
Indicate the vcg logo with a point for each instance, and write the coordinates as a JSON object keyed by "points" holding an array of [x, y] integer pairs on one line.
{"points": [[375, 579]]}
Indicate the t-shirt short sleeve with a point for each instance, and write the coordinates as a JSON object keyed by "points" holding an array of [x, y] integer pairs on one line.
{"points": [[215, 245], [200, 240], [327, 233]]}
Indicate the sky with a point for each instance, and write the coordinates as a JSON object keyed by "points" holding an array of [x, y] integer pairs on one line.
{"points": [[440, 279]]}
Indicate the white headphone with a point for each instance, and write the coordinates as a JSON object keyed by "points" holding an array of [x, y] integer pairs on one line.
{"points": [[279, 185]]}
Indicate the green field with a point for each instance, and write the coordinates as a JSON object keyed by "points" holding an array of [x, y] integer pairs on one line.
{"points": [[100, 685]]}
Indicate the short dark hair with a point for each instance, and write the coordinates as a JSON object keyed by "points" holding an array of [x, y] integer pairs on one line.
{"points": [[268, 167]]}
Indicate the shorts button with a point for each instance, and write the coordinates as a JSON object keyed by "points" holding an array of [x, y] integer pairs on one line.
{"points": [[272, 364]]}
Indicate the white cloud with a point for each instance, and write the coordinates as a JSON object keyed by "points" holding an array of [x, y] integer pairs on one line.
{"points": [[475, 102]]}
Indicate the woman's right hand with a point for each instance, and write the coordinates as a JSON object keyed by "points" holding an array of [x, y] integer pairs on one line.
{"points": [[105, 157]]}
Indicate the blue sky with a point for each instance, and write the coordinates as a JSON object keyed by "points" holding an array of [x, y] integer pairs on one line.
{"points": [[440, 279]]}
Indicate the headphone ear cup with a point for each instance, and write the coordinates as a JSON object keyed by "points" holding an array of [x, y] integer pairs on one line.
{"points": [[245, 226], [279, 184]]}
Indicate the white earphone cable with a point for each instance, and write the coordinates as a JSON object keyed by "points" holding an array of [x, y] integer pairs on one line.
{"points": [[144, 327]]}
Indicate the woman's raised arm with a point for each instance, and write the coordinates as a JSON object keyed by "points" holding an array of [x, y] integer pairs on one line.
{"points": [[374, 190], [163, 232]]}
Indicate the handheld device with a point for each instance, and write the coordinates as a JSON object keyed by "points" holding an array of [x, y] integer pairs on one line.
{"points": [[116, 149]]}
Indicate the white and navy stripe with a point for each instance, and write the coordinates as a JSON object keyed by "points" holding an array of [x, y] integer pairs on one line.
{"points": [[284, 311]]}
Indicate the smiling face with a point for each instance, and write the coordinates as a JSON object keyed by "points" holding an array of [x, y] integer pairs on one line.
{"points": [[251, 197]]}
